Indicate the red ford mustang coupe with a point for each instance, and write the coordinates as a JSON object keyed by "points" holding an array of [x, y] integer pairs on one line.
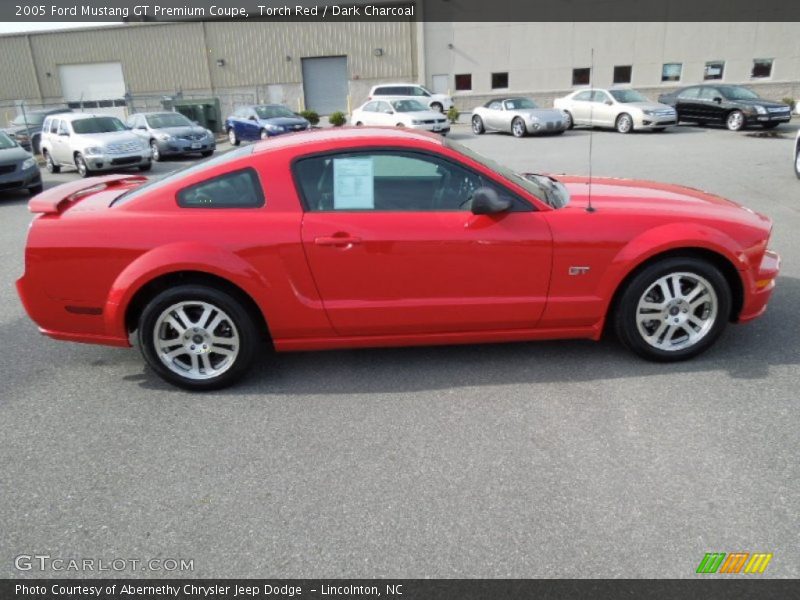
{"points": [[363, 237]]}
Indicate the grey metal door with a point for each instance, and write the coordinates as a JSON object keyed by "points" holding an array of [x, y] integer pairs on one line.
{"points": [[325, 84]]}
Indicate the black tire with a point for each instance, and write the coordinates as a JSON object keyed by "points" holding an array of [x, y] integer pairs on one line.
{"points": [[359, 123], [233, 138], [36, 144], [242, 324], [570, 122], [735, 120], [52, 167], [624, 123], [518, 128], [154, 151], [146, 167], [399, 125], [207, 153], [626, 311], [477, 125], [80, 164], [797, 161], [437, 106], [37, 189]]}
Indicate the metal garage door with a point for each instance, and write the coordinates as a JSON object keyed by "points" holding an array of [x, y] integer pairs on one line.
{"points": [[325, 84], [98, 87]]}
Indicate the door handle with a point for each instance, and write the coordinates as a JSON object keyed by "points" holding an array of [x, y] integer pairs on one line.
{"points": [[337, 240]]}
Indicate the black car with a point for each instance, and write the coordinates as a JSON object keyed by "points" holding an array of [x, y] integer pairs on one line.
{"points": [[29, 137], [734, 106]]}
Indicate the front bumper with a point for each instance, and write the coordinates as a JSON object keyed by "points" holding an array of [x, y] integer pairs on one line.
{"points": [[20, 180], [181, 146], [759, 287], [654, 121], [781, 117], [125, 160], [546, 126], [442, 128]]}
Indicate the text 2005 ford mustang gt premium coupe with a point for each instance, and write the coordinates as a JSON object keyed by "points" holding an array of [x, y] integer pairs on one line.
{"points": [[364, 237]]}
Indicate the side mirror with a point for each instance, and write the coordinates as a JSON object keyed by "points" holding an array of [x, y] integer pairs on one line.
{"points": [[142, 127], [253, 119], [64, 133], [485, 201], [388, 111], [608, 102], [718, 100]]}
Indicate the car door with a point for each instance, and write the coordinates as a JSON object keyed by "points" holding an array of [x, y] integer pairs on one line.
{"points": [[580, 108], [687, 104], [61, 143], [604, 110], [394, 249], [710, 105], [384, 114], [494, 115]]}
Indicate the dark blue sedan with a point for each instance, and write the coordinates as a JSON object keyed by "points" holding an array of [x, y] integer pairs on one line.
{"points": [[261, 122]]}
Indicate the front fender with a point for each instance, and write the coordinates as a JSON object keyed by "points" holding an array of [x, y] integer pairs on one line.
{"points": [[173, 258]]}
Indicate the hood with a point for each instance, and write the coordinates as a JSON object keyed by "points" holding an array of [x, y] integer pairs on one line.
{"points": [[13, 155], [284, 121], [760, 102], [103, 139], [183, 130], [545, 114], [651, 199], [648, 105]]}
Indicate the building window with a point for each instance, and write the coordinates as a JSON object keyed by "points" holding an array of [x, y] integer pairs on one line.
{"points": [[622, 74], [499, 80], [714, 69], [581, 76], [762, 67], [463, 82], [671, 72]]}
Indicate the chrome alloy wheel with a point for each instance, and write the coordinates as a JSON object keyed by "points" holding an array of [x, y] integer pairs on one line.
{"points": [[677, 311], [518, 128], [735, 121], [196, 340], [624, 123]]}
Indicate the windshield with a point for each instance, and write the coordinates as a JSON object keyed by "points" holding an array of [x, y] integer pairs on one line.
{"points": [[164, 120], [33, 119], [625, 96], [154, 184], [739, 93], [6, 142], [273, 112], [408, 106], [517, 103], [98, 125], [543, 188]]}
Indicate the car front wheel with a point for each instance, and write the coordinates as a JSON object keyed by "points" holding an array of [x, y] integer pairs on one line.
{"points": [[233, 138], [673, 309], [624, 123], [518, 128], [197, 337], [735, 120], [155, 151], [80, 164]]}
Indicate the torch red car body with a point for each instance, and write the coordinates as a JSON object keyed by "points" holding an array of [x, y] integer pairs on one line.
{"points": [[309, 275]]}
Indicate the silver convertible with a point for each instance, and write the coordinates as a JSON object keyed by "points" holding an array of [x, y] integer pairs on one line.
{"points": [[520, 116]]}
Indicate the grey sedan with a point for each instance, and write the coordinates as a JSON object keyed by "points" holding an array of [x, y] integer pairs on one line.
{"points": [[18, 168], [171, 133], [520, 116]]}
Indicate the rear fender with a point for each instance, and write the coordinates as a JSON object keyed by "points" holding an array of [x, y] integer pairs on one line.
{"points": [[174, 258]]}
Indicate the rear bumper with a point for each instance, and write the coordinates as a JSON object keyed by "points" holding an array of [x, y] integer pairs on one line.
{"points": [[760, 286]]}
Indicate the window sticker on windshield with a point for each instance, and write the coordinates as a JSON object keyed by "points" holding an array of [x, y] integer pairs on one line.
{"points": [[353, 184]]}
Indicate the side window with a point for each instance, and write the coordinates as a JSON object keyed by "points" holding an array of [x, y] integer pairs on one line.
{"points": [[369, 107], [709, 93], [599, 96], [239, 189], [496, 105], [583, 97], [689, 93], [63, 128], [387, 181], [384, 107]]}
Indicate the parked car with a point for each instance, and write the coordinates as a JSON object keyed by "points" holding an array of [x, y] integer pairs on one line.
{"points": [[400, 113], [797, 155], [92, 143], [735, 106], [171, 133], [520, 116], [29, 136], [262, 121], [364, 237], [409, 91], [625, 110], [18, 168]]}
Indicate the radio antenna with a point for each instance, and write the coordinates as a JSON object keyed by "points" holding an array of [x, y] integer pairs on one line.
{"points": [[589, 207]]}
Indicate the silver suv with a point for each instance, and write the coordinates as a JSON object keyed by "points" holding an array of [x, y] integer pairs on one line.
{"points": [[92, 143]]}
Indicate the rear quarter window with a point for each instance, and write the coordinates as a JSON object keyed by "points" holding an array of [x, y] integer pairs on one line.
{"points": [[238, 189]]}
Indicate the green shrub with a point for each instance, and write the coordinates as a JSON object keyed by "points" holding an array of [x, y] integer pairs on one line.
{"points": [[310, 116], [337, 119], [789, 101], [453, 115]]}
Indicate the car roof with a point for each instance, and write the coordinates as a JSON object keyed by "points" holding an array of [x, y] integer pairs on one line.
{"points": [[157, 112], [376, 136], [48, 111], [78, 116]]}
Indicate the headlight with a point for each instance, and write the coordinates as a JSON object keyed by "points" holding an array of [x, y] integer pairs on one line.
{"points": [[28, 163], [269, 127], [94, 150], [761, 110], [164, 137]]}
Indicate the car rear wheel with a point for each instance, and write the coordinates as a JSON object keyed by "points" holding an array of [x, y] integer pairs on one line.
{"points": [[197, 337], [518, 128], [155, 151], [52, 167], [80, 164], [359, 123], [568, 119], [437, 106], [673, 309], [36, 144], [735, 120], [624, 123], [233, 138], [477, 125]]}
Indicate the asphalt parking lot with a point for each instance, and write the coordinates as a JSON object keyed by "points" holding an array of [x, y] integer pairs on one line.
{"points": [[555, 459]]}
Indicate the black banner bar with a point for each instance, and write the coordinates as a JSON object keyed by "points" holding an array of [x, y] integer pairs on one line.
{"points": [[745, 587]]}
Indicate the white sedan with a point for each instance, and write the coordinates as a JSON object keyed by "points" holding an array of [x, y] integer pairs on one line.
{"points": [[400, 113], [623, 110]]}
